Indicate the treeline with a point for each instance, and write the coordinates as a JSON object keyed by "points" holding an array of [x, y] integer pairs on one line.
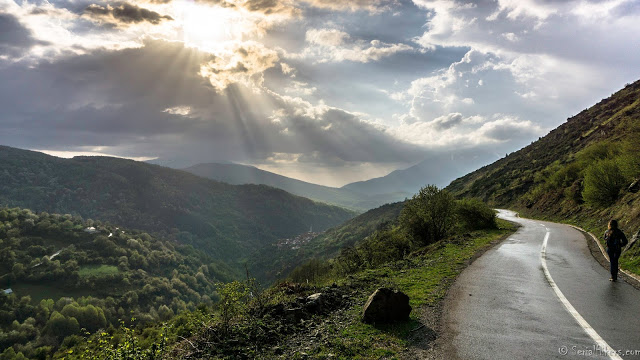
{"points": [[103, 276], [430, 216]]}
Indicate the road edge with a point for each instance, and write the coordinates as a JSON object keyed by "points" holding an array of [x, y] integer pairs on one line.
{"points": [[631, 278], [441, 347]]}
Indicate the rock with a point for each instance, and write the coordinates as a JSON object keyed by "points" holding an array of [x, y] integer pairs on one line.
{"points": [[633, 241], [386, 306], [294, 315], [315, 303]]}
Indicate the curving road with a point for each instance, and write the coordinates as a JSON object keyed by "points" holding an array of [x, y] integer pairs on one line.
{"points": [[520, 302]]}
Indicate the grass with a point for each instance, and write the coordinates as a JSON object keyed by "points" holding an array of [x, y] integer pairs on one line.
{"points": [[264, 332], [97, 270], [42, 291], [424, 276]]}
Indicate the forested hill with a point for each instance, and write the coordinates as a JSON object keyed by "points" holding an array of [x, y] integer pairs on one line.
{"points": [[225, 221], [60, 274], [582, 171]]}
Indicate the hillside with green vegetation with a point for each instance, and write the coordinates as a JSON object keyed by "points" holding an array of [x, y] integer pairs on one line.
{"points": [[64, 276], [317, 312], [225, 221], [584, 172], [280, 260]]}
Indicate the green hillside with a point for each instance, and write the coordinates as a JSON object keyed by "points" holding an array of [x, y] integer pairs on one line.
{"points": [[226, 221], [408, 253], [581, 172], [63, 274], [280, 260]]}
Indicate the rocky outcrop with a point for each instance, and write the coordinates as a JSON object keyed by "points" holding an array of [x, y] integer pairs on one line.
{"points": [[386, 306], [633, 241]]}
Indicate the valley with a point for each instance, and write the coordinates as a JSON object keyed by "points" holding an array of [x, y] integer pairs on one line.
{"points": [[319, 179]]}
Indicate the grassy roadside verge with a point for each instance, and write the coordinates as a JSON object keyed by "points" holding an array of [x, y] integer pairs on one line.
{"points": [[425, 276], [279, 324]]}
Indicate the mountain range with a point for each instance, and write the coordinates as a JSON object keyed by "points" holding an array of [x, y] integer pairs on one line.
{"points": [[436, 169], [398, 185], [242, 174], [225, 221]]}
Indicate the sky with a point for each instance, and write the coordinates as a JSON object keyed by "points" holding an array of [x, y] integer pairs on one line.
{"points": [[326, 91]]}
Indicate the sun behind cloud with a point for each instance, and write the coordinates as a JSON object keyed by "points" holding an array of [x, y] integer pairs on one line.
{"points": [[210, 28]]}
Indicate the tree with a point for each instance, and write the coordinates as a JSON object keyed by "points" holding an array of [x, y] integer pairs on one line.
{"points": [[165, 313], [429, 216], [18, 270], [61, 326]]}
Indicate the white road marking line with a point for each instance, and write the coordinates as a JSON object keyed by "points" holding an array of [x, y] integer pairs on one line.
{"points": [[583, 323]]}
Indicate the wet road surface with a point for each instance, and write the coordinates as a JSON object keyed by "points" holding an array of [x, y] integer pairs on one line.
{"points": [[504, 306]]}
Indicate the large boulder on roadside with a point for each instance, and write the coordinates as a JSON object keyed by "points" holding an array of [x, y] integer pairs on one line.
{"points": [[386, 306]]}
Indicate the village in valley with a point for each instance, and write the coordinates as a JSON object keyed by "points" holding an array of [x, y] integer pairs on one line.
{"points": [[295, 242]]}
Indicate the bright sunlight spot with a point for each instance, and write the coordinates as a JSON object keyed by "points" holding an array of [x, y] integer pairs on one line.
{"points": [[209, 28]]}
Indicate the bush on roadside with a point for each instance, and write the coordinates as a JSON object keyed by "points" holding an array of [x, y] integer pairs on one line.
{"points": [[603, 181], [473, 214], [429, 216]]}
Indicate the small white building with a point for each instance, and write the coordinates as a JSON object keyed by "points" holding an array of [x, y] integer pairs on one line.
{"points": [[7, 291], [91, 230]]}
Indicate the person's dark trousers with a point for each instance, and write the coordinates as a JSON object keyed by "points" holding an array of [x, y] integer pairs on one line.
{"points": [[613, 258]]}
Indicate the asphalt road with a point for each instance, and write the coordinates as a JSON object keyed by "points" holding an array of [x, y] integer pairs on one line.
{"points": [[504, 306]]}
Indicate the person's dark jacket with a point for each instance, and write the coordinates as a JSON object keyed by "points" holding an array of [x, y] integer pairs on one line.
{"points": [[615, 239]]}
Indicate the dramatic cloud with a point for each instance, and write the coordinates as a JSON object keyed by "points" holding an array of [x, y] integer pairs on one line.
{"points": [[292, 8], [454, 131], [353, 5], [267, 7], [332, 45], [124, 13], [155, 97], [244, 64], [324, 90], [15, 39]]}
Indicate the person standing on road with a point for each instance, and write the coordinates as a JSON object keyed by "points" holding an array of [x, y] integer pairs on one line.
{"points": [[615, 242]]}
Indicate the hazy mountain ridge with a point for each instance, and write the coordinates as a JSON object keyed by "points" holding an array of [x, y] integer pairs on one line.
{"points": [[237, 174], [435, 169], [226, 221]]}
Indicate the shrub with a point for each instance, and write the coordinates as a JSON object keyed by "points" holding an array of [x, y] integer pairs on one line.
{"points": [[310, 271], [603, 181], [476, 215], [429, 216]]}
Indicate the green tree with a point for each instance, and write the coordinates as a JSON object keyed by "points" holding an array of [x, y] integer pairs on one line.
{"points": [[429, 216], [61, 326]]}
